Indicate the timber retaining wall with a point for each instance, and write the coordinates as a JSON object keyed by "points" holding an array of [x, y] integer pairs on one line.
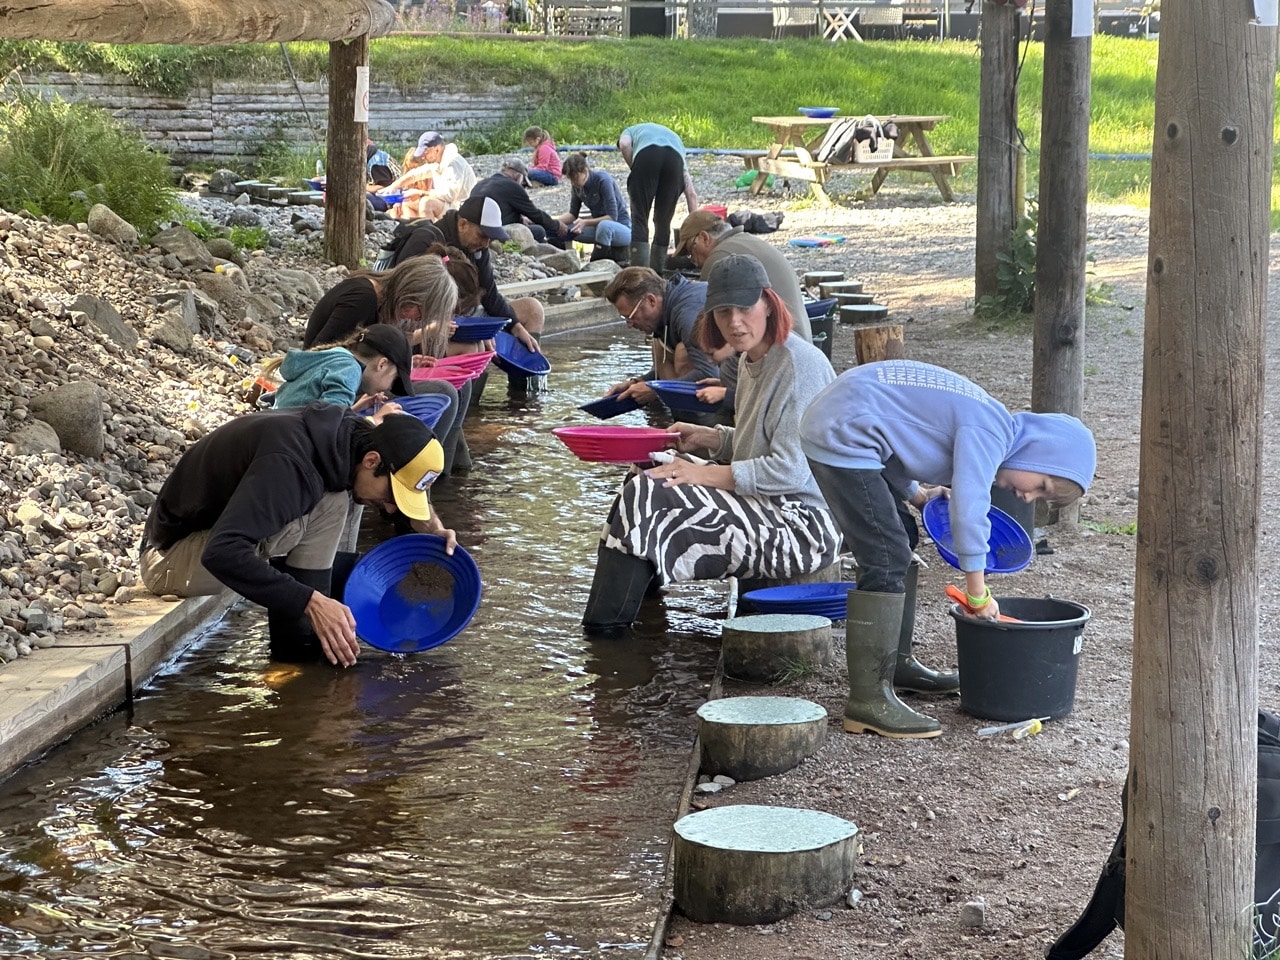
{"points": [[227, 122]]}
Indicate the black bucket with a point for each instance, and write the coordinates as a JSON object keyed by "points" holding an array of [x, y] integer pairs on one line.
{"points": [[1016, 671], [824, 330]]}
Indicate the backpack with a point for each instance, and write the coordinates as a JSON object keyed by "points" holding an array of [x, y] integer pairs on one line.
{"points": [[752, 222], [1105, 910], [838, 145]]}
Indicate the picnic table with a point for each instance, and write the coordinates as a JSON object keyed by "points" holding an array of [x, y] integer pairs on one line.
{"points": [[804, 135]]}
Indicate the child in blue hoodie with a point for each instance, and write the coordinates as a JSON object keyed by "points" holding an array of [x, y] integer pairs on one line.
{"points": [[872, 438], [357, 372]]}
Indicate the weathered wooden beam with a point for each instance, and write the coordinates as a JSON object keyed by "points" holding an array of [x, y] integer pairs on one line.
{"points": [[194, 21]]}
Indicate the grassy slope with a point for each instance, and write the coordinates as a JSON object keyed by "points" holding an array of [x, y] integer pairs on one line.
{"points": [[706, 90]]}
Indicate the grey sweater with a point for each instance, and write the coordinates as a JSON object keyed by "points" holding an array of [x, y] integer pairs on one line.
{"points": [[773, 395]]}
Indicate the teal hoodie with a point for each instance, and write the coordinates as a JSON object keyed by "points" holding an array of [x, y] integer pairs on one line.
{"points": [[330, 376]]}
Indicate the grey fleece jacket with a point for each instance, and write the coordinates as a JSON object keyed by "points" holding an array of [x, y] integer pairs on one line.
{"points": [[773, 395]]}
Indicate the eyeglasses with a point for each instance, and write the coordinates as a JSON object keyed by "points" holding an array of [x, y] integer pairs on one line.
{"points": [[627, 318]]}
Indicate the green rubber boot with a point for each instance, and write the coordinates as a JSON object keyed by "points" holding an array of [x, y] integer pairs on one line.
{"points": [[871, 650], [640, 254], [910, 673], [657, 260]]}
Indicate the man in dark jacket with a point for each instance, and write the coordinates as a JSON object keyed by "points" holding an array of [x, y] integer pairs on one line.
{"points": [[278, 485], [507, 188], [471, 228]]}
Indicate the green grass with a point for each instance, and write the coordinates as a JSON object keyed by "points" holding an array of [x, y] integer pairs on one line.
{"points": [[707, 90]]}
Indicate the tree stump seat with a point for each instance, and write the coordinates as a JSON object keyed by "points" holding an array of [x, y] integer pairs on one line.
{"points": [[769, 647], [749, 864], [748, 738]]}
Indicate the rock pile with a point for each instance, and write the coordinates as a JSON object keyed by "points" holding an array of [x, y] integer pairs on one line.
{"points": [[113, 358]]}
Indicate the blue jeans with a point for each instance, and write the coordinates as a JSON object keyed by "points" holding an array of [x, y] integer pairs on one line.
{"points": [[542, 177], [607, 233]]}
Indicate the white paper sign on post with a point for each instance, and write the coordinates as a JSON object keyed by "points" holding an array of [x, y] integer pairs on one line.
{"points": [[362, 95], [1082, 18], [1264, 12]]}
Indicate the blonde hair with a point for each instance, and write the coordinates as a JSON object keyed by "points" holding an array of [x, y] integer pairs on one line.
{"points": [[1066, 491], [423, 282]]}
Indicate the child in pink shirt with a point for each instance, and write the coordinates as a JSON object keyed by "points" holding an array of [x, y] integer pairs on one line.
{"points": [[545, 168]]}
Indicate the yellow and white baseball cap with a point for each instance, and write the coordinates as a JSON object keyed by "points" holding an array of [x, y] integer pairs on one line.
{"points": [[415, 457]]}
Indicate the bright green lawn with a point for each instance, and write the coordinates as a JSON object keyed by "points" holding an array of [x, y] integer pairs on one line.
{"points": [[707, 90]]}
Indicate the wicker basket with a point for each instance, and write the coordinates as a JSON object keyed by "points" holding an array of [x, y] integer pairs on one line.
{"points": [[862, 152]]}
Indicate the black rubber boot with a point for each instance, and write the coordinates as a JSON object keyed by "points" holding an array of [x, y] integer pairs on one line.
{"points": [[620, 254], [292, 638], [910, 673], [874, 621], [639, 254], [617, 591], [657, 259], [599, 252]]}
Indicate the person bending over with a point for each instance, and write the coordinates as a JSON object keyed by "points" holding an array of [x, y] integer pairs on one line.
{"points": [[901, 430]]}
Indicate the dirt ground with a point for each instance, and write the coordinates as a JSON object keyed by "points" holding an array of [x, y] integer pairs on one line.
{"points": [[1022, 826]]}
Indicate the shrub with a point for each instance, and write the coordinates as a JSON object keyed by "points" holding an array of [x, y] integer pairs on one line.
{"points": [[59, 159]]}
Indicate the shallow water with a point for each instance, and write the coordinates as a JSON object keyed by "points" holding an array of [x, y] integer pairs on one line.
{"points": [[507, 794]]}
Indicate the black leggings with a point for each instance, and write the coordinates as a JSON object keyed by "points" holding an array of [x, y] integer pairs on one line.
{"points": [[656, 182]]}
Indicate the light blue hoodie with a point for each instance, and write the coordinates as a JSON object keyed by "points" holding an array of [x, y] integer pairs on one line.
{"points": [[330, 376], [937, 427]]}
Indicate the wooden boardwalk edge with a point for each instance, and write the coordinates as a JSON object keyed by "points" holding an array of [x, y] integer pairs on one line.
{"points": [[47, 697]]}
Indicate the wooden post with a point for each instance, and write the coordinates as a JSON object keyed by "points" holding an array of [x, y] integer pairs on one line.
{"points": [[1192, 781], [997, 143], [878, 341], [345, 172], [1057, 370]]}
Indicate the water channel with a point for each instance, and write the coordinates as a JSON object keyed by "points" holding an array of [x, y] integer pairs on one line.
{"points": [[508, 794]]}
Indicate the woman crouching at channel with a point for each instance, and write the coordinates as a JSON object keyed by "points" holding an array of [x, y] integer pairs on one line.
{"points": [[752, 511]]}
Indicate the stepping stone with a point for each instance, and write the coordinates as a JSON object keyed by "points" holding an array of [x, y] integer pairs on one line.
{"points": [[815, 278], [747, 738], [863, 312], [845, 299], [768, 647], [749, 864], [840, 286]]}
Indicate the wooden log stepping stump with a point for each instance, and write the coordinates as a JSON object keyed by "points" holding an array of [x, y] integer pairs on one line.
{"points": [[840, 286], [765, 647], [878, 341], [752, 737], [863, 312], [815, 278], [749, 864], [847, 299]]}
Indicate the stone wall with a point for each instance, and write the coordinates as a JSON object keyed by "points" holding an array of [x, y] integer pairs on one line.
{"points": [[227, 121]]}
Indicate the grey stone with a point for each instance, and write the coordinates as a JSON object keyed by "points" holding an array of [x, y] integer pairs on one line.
{"points": [[105, 222], [242, 216], [185, 245], [607, 269], [104, 318], [182, 303], [974, 914], [520, 234], [41, 327], [300, 283], [228, 293], [260, 309], [223, 181], [223, 249], [35, 437], [562, 261], [169, 329], [74, 410], [542, 250]]}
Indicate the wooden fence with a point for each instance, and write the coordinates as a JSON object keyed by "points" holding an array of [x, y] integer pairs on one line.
{"points": [[230, 121]]}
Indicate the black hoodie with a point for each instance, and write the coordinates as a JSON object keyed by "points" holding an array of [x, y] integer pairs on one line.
{"points": [[246, 481]]}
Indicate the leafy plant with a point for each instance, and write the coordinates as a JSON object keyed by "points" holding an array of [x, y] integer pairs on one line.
{"points": [[1098, 526], [59, 159], [249, 238], [1016, 272]]}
